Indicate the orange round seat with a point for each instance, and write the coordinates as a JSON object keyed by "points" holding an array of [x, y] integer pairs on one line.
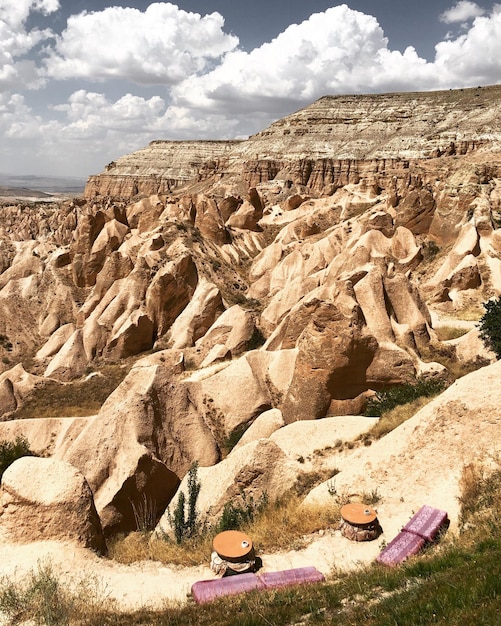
{"points": [[232, 545], [358, 514]]}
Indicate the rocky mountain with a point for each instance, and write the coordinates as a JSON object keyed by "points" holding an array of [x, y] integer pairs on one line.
{"points": [[201, 288]]}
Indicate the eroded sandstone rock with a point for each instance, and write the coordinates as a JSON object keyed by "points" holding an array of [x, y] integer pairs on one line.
{"points": [[46, 499]]}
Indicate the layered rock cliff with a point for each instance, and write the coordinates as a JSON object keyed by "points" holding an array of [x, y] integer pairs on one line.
{"points": [[159, 167], [337, 140]]}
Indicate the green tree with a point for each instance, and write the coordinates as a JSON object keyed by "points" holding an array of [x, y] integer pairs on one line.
{"points": [[490, 326], [13, 450], [183, 525]]}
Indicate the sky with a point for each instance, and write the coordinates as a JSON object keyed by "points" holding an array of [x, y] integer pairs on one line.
{"points": [[83, 82]]}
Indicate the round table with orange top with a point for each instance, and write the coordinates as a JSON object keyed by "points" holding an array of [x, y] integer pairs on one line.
{"points": [[359, 522], [358, 513], [233, 545]]}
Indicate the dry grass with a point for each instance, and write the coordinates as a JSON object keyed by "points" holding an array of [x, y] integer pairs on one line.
{"points": [[392, 419], [76, 399], [43, 599], [140, 546], [470, 314], [446, 333], [283, 525], [480, 499]]}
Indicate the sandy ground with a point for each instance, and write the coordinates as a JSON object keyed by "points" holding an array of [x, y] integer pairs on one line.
{"points": [[418, 463], [152, 585]]}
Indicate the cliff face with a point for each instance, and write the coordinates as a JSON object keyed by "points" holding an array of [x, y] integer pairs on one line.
{"points": [[333, 142], [159, 167]]}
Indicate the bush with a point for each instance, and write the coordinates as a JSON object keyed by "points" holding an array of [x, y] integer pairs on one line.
{"points": [[11, 451], [490, 326], [43, 599], [185, 526], [388, 399], [235, 516]]}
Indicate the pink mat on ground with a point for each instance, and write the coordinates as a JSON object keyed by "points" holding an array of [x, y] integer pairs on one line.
{"points": [[426, 522], [208, 590], [402, 547], [421, 528], [297, 576]]}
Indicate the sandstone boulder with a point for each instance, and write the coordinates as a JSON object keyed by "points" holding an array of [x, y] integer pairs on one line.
{"points": [[262, 427], [198, 316], [257, 469], [171, 290], [46, 499], [471, 350], [333, 358], [70, 361], [56, 341], [234, 329], [246, 217], [16, 385], [144, 439], [240, 391]]}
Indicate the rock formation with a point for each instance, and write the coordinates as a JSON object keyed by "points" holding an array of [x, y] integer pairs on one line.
{"points": [[46, 499], [247, 285]]}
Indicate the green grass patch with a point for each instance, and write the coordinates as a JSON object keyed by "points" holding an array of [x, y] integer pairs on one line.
{"points": [[388, 399], [446, 333]]}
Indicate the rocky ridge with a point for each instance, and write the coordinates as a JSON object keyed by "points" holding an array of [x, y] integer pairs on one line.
{"points": [[257, 285], [159, 167], [336, 141]]}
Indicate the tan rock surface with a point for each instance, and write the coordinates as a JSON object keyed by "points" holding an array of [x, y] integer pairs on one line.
{"points": [[262, 427], [421, 461], [146, 436], [16, 385], [233, 329], [46, 499], [256, 469]]}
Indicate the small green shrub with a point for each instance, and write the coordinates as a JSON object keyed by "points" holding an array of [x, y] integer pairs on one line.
{"points": [[388, 399], [44, 600], [234, 516], [430, 249], [490, 326], [145, 513], [5, 343], [234, 437], [186, 525], [12, 450]]}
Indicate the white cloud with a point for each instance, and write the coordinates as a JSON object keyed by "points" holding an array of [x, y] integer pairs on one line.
{"points": [[163, 44], [337, 51], [474, 57], [462, 12], [94, 130], [14, 13], [16, 41], [16, 118]]}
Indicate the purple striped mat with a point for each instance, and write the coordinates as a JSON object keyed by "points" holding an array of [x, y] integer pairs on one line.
{"points": [[426, 522], [297, 576], [208, 590], [402, 547]]}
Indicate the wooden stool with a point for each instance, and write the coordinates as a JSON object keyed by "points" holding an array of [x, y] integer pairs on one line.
{"points": [[232, 545], [359, 522]]}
